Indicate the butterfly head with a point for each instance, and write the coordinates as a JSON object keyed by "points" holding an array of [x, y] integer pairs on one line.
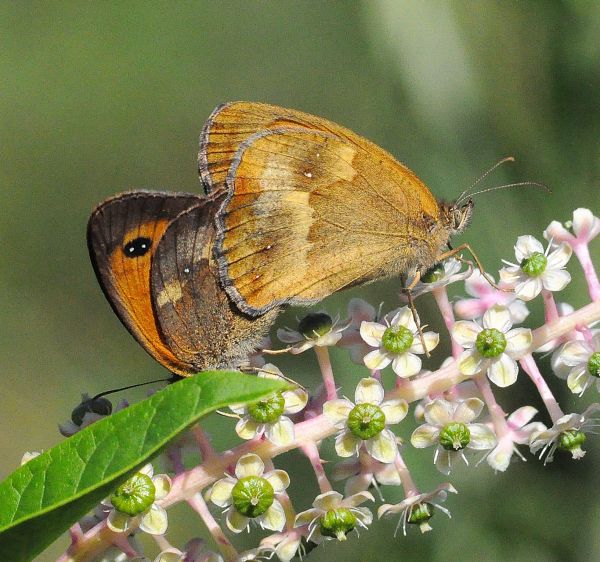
{"points": [[457, 216]]}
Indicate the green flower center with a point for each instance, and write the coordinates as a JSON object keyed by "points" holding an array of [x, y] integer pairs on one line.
{"points": [[571, 440], [366, 421], [337, 523], [252, 495], [490, 342], [455, 436], [535, 264], [135, 495], [421, 513], [593, 365], [268, 410], [315, 324], [434, 273], [397, 339]]}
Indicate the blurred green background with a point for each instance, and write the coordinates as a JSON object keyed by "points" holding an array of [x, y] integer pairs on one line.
{"points": [[98, 98]]}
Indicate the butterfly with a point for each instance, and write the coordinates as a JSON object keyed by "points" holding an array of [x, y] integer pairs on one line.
{"points": [[312, 208], [152, 254]]}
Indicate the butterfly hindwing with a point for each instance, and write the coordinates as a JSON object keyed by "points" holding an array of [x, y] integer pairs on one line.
{"points": [[123, 234]]}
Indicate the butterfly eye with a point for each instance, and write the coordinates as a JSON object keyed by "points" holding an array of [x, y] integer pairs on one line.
{"points": [[137, 247]]}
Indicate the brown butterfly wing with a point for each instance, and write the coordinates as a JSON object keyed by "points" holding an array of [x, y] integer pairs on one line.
{"points": [[231, 124], [199, 322], [123, 234], [309, 213]]}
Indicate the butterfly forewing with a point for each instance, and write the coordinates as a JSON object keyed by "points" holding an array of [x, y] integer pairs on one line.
{"points": [[123, 234], [309, 213]]}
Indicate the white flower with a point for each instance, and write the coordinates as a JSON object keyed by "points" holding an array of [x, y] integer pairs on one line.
{"points": [[130, 499], [493, 347], [416, 509], [194, 551], [567, 433], [486, 296], [363, 472], [519, 432], [536, 269], [440, 275], [367, 421], [582, 230], [333, 517], [315, 329], [267, 416], [29, 455], [449, 427], [250, 496], [397, 343], [88, 411], [359, 311], [582, 359], [284, 545]]}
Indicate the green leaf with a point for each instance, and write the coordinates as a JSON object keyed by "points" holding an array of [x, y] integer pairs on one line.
{"points": [[44, 497]]}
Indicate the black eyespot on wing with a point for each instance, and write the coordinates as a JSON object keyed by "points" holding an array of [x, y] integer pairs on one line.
{"points": [[137, 247]]}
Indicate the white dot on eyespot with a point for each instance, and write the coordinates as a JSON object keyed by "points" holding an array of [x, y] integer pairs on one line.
{"points": [[269, 247], [186, 270], [308, 174]]}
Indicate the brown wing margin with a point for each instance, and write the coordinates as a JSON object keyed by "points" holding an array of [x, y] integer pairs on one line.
{"points": [[135, 222]]}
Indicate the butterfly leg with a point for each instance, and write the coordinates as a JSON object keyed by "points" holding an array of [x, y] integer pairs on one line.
{"points": [[411, 303]]}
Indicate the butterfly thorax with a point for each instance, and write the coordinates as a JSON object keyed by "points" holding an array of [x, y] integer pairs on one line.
{"points": [[456, 216]]}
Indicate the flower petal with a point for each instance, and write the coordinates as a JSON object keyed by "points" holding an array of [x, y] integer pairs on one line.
{"points": [[281, 432], [337, 411], [118, 521], [497, 317], [372, 332], [360, 311], [270, 371], [431, 341], [249, 465], [511, 275], [470, 362], [274, 518], [527, 245], [467, 410], [328, 500], [220, 493], [424, 436], [382, 447], [279, 479], [556, 279], [346, 444], [377, 359], [154, 521], [357, 499], [305, 517], [521, 416], [236, 522], [162, 485], [578, 380], [465, 333], [289, 336], [503, 371], [394, 410], [575, 353], [444, 460], [370, 391], [406, 365], [404, 317], [439, 412], [294, 400], [482, 437], [529, 288], [518, 341], [247, 428], [585, 225], [559, 257]]}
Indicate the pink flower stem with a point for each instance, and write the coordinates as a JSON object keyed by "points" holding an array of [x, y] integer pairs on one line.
{"points": [[75, 533], [551, 312], [311, 451], [583, 255], [408, 484], [530, 367], [496, 412], [441, 298], [204, 444], [162, 542], [322, 354], [197, 503]]}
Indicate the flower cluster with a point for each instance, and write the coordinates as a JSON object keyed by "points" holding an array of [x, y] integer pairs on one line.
{"points": [[456, 408]]}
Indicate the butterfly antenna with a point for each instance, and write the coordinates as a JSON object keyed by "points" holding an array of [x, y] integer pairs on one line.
{"points": [[509, 185], [466, 193], [128, 387]]}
